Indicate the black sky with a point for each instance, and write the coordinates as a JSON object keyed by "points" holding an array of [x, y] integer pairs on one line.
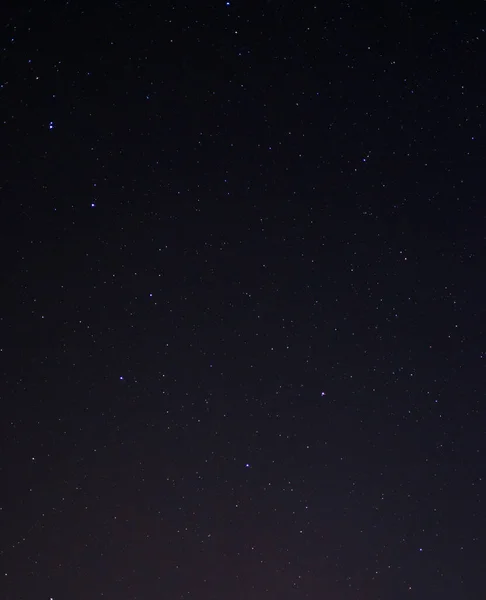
{"points": [[242, 307]]}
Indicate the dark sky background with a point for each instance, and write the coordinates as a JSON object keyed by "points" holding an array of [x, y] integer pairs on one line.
{"points": [[242, 315]]}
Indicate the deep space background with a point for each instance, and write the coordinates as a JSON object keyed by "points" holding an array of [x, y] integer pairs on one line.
{"points": [[242, 313]]}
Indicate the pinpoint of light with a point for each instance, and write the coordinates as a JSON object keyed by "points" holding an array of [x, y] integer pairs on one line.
{"points": [[121, 378], [93, 205], [247, 465], [323, 393], [51, 125]]}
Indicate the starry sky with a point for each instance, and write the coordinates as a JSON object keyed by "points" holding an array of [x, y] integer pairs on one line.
{"points": [[242, 326]]}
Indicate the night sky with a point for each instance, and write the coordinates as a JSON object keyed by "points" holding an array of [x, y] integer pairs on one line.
{"points": [[242, 313]]}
